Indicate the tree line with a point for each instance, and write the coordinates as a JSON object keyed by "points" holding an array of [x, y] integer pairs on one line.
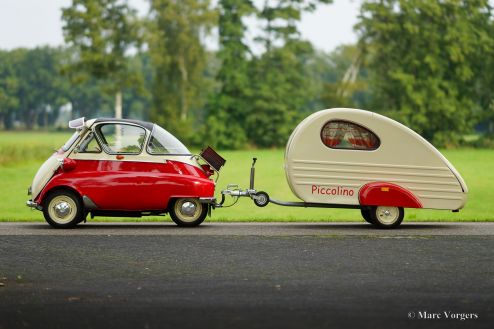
{"points": [[428, 64]]}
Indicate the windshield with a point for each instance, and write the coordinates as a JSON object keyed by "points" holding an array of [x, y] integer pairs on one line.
{"points": [[162, 142], [71, 141]]}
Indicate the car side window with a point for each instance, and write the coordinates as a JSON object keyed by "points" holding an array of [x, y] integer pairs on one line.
{"points": [[121, 138], [162, 142], [340, 134], [89, 144]]}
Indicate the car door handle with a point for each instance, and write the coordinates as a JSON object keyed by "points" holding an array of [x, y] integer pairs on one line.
{"points": [[120, 157]]}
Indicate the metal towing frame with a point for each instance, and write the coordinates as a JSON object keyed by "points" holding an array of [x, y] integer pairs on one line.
{"points": [[262, 199]]}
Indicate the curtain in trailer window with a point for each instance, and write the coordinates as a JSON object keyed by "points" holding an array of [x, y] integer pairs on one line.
{"points": [[339, 134]]}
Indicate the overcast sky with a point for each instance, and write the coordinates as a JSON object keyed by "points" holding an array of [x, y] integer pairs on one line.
{"points": [[30, 23]]}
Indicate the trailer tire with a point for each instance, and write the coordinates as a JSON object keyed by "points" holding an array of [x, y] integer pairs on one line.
{"points": [[387, 217], [261, 199], [366, 214]]}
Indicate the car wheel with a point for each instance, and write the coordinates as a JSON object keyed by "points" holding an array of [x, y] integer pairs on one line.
{"points": [[188, 212], [387, 217], [63, 209], [366, 214]]}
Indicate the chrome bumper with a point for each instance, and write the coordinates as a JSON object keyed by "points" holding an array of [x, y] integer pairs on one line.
{"points": [[32, 204], [207, 200]]}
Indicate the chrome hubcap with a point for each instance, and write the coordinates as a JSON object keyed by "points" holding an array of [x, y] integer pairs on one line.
{"points": [[388, 215], [188, 208], [262, 199], [62, 209]]}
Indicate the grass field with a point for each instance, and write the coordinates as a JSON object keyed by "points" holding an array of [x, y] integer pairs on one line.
{"points": [[21, 154]]}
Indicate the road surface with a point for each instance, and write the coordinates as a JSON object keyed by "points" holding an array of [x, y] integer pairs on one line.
{"points": [[247, 275]]}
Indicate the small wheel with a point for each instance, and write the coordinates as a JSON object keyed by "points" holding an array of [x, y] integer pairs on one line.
{"points": [[261, 199], [63, 209], [366, 214], [387, 217], [188, 212]]}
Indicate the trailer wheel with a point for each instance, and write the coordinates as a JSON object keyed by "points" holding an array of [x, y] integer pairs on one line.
{"points": [[188, 212], [387, 217], [366, 214], [261, 199]]}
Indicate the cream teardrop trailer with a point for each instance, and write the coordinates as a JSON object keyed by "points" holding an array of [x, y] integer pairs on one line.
{"points": [[349, 158], [359, 158]]}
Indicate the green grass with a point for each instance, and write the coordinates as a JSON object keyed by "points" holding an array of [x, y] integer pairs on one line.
{"points": [[16, 173], [22, 147]]}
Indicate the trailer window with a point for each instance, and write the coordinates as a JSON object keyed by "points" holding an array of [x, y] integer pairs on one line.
{"points": [[347, 135]]}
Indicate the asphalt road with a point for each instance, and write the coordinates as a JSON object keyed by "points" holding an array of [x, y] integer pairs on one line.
{"points": [[321, 275]]}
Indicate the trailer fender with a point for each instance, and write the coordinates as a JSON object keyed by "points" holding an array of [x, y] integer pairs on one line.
{"points": [[387, 194]]}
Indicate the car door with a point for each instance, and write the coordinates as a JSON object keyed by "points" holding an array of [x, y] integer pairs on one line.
{"points": [[110, 170]]}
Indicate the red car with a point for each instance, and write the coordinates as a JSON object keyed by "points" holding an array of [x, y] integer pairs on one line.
{"points": [[117, 167]]}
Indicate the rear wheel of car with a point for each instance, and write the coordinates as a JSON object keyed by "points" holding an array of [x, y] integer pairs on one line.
{"points": [[188, 212], [366, 214], [387, 217], [63, 209]]}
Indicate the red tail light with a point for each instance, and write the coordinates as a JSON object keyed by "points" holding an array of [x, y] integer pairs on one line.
{"points": [[207, 170]]}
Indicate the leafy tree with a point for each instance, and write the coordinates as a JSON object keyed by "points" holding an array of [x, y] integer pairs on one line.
{"points": [[283, 91], [280, 20], [422, 59], [103, 32], [228, 108], [178, 58], [9, 85], [343, 77], [484, 68], [88, 100], [137, 99], [41, 88]]}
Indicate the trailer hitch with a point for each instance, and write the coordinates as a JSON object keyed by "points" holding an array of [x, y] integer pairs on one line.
{"points": [[260, 198]]}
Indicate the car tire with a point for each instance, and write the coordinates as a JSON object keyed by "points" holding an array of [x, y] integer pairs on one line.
{"points": [[387, 217], [366, 214], [188, 212], [63, 209]]}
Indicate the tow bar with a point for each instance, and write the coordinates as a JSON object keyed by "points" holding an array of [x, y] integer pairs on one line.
{"points": [[260, 198]]}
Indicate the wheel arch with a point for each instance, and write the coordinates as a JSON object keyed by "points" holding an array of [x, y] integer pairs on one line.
{"points": [[45, 193], [387, 194]]}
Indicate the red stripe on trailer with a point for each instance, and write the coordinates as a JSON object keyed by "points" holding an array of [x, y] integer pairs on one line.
{"points": [[387, 194]]}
